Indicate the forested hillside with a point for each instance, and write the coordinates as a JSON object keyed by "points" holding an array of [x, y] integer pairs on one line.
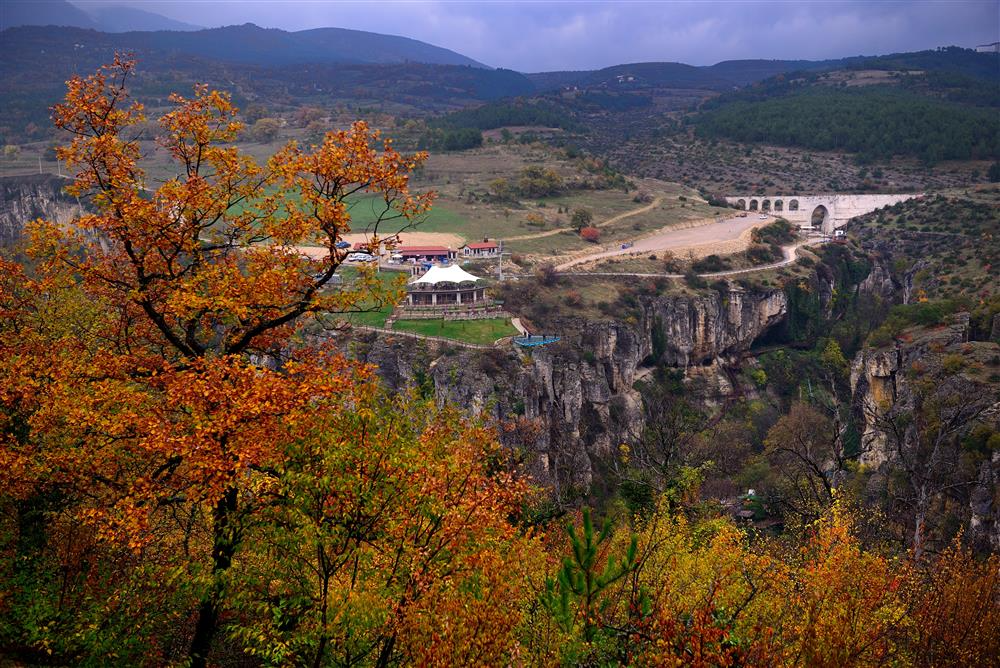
{"points": [[934, 105], [875, 122]]}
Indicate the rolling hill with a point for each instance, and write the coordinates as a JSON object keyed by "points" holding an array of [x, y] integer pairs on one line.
{"points": [[722, 76], [247, 44]]}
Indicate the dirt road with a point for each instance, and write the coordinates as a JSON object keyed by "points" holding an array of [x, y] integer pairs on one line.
{"points": [[716, 237], [789, 252], [614, 219]]}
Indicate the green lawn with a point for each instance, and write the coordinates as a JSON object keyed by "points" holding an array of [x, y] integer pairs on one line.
{"points": [[470, 331]]}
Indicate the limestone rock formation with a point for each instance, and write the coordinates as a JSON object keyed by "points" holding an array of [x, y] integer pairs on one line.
{"points": [[568, 407], [25, 198]]}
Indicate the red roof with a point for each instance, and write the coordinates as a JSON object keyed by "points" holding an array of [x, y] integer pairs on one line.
{"points": [[422, 249], [482, 245]]}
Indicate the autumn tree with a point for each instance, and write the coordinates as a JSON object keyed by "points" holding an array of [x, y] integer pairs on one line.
{"points": [[265, 130], [500, 190], [407, 554], [148, 412], [581, 218], [801, 450]]}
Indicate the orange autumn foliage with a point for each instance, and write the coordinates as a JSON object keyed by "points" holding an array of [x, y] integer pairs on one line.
{"points": [[155, 388]]}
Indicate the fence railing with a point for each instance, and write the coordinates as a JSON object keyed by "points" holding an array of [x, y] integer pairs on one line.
{"points": [[429, 337]]}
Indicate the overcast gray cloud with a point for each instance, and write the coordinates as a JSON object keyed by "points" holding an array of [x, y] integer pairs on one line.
{"points": [[536, 36]]}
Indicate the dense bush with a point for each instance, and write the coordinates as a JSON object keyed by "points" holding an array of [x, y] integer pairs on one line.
{"points": [[779, 232], [902, 316], [710, 264]]}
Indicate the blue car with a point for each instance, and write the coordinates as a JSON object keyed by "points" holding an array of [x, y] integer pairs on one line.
{"points": [[343, 244]]}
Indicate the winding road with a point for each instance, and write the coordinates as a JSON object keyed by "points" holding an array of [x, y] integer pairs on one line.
{"points": [[790, 253], [610, 221]]}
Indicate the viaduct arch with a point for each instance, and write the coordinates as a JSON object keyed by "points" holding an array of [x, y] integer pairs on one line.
{"points": [[835, 210]]}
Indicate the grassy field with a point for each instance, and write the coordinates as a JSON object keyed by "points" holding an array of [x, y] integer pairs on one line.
{"points": [[470, 331]]}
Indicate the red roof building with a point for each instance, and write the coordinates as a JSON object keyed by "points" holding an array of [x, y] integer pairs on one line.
{"points": [[484, 248], [425, 252]]}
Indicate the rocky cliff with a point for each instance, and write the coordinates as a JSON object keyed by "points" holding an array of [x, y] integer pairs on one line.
{"points": [[25, 198], [567, 407], [928, 409]]}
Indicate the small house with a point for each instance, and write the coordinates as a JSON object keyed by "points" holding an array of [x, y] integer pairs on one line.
{"points": [[484, 248]]}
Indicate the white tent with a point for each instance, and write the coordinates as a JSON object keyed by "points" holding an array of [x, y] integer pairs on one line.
{"points": [[450, 274]]}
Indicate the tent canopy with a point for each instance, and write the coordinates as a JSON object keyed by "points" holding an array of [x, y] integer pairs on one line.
{"points": [[450, 274]]}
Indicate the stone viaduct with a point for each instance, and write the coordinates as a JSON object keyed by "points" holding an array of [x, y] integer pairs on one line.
{"points": [[828, 211]]}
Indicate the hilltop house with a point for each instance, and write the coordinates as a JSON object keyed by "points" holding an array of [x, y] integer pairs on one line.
{"points": [[484, 248]]}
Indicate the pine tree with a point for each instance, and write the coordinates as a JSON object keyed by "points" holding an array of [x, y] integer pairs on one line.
{"points": [[578, 588]]}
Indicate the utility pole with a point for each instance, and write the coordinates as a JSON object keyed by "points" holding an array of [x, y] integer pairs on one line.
{"points": [[500, 261]]}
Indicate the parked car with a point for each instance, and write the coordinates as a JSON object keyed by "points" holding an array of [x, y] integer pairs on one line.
{"points": [[343, 244], [627, 244], [743, 215], [762, 216], [360, 257]]}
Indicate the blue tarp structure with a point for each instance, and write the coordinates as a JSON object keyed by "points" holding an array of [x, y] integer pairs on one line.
{"points": [[534, 340]]}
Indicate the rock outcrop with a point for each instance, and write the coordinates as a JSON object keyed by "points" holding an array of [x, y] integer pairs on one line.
{"points": [[928, 410], [25, 198], [567, 407]]}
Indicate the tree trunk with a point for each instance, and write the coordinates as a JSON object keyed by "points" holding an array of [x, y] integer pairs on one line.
{"points": [[223, 548], [918, 524]]}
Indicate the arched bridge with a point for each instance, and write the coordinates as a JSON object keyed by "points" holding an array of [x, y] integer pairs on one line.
{"points": [[827, 211]]}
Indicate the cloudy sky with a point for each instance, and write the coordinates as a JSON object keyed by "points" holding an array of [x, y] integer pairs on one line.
{"points": [[536, 36]]}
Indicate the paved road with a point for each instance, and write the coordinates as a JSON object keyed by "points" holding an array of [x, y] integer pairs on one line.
{"points": [[675, 240]]}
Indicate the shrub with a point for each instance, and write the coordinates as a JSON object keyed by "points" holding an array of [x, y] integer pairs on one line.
{"points": [[581, 218], [953, 363], [709, 264], [591, 234], [695, 281], [547, 275]]}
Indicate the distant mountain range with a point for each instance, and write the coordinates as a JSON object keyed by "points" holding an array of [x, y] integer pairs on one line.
{"points": [[725, 75], [732, 74], [280, 69], [141, 31], [61, 13]]}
